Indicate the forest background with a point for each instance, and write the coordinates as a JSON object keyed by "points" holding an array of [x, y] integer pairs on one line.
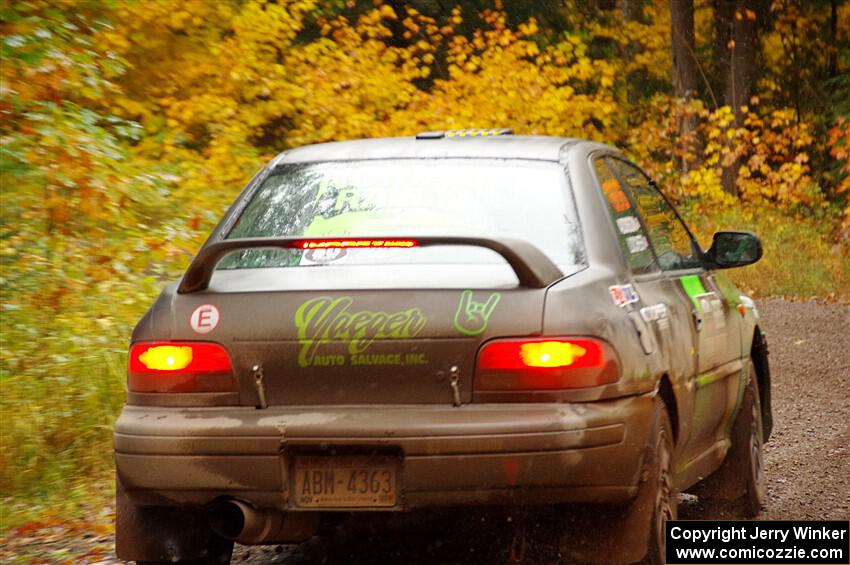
{"points": [[128, 127]]}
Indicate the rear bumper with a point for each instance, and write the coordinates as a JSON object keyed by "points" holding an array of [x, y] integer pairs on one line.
{"points": [[475, 454]]}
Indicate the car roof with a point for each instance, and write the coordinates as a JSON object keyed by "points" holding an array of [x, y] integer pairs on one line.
{"points": [[536, 147]]}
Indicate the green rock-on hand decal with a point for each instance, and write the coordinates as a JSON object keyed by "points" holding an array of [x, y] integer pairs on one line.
{"points": [[472, 316]]}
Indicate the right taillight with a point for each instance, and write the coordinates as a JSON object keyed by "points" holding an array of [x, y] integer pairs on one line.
{"points": [[545, 364], [179, 366]]}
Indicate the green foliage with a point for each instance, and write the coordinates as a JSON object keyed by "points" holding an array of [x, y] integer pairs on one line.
{"points": [[86, 239]]}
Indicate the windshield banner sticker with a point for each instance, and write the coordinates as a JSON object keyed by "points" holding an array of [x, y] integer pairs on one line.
{"points": [[623, 294], [472, 316], [325, 319]]}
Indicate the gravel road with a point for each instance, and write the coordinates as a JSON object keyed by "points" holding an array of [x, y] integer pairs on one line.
{"points": [[807, 468], [808, 457]]}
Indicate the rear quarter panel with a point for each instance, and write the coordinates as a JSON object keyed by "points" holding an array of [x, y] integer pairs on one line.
{"points": [[582, 306]]}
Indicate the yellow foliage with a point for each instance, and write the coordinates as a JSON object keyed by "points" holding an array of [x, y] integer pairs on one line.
{"points": [[839, 143], [129, 126], [500, 76], [771, 148], [643, 45], [264, 91]]}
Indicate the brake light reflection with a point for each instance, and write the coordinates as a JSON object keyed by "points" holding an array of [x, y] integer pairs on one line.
{"points": [[550, 353], [541, 354], [514, 365], [179, 366], [166, 357]]}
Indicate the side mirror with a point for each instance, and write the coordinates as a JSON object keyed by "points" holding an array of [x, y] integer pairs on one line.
{"points": [[733, 249]]}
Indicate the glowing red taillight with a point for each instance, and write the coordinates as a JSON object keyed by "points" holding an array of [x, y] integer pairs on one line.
{"points": [[179, 366], [354, 243], [545, 364]]}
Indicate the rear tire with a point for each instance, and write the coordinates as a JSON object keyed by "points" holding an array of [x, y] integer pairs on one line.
{"points": [[219, 552], [736, 489], [633, 532], [162, 535], [662, 491]]}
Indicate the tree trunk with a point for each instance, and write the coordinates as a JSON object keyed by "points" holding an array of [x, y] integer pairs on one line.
{"points": [[743, 52], [631, 11], [685, 70], [724, 16], [736, 52], [832, 64], [684, 67]]}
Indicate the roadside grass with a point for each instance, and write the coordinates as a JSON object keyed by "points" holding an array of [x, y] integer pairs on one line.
{"points": [[59, 397], [56, 445]]}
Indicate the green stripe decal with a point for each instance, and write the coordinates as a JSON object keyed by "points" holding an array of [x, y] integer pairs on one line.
{"points": [[693, 288], [708, 378]]}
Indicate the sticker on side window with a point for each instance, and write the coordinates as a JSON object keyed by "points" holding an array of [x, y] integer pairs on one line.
{"points": [[637, 243], [628, 224], [614, 192], [623, 294]]}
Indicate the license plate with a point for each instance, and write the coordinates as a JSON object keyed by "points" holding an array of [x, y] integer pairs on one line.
{"points": [[346, 481]]}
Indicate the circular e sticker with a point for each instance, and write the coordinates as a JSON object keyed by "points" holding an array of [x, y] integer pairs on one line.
{"points": [[204, 319]]}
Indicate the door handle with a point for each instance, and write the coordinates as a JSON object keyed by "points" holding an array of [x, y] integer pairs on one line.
{"points": [[697, 319], [647, 341]]}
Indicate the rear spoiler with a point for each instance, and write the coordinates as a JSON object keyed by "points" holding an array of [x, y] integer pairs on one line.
{"points": [[532, 267]]}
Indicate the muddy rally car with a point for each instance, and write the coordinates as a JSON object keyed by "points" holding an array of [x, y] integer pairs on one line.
{"points": [[452, 319]]}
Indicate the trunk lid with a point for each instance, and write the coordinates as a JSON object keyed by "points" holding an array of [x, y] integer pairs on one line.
{"points": [[347, 342]]}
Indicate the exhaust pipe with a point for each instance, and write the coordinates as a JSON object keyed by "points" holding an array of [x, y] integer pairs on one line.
{"points": [[241, 522]]}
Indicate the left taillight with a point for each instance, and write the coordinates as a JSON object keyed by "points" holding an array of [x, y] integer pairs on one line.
{"points": [[179, 366]]}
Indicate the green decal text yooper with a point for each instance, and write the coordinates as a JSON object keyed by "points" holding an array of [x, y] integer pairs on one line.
{"points": [[325, 319]]}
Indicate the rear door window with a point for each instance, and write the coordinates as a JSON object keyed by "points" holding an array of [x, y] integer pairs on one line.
{"points": [[668, 235], [631, 233]]}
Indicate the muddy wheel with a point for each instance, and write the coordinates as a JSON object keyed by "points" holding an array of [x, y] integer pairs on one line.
{"points": [[736, 489], [633, 532], [219, 552], [660, 490], [153, 535]]}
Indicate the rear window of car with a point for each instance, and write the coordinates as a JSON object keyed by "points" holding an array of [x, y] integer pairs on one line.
{"points": [[498, 198]]}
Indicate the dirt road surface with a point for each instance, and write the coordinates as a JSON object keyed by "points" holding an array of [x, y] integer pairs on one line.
{"points": [[807, 468]]}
